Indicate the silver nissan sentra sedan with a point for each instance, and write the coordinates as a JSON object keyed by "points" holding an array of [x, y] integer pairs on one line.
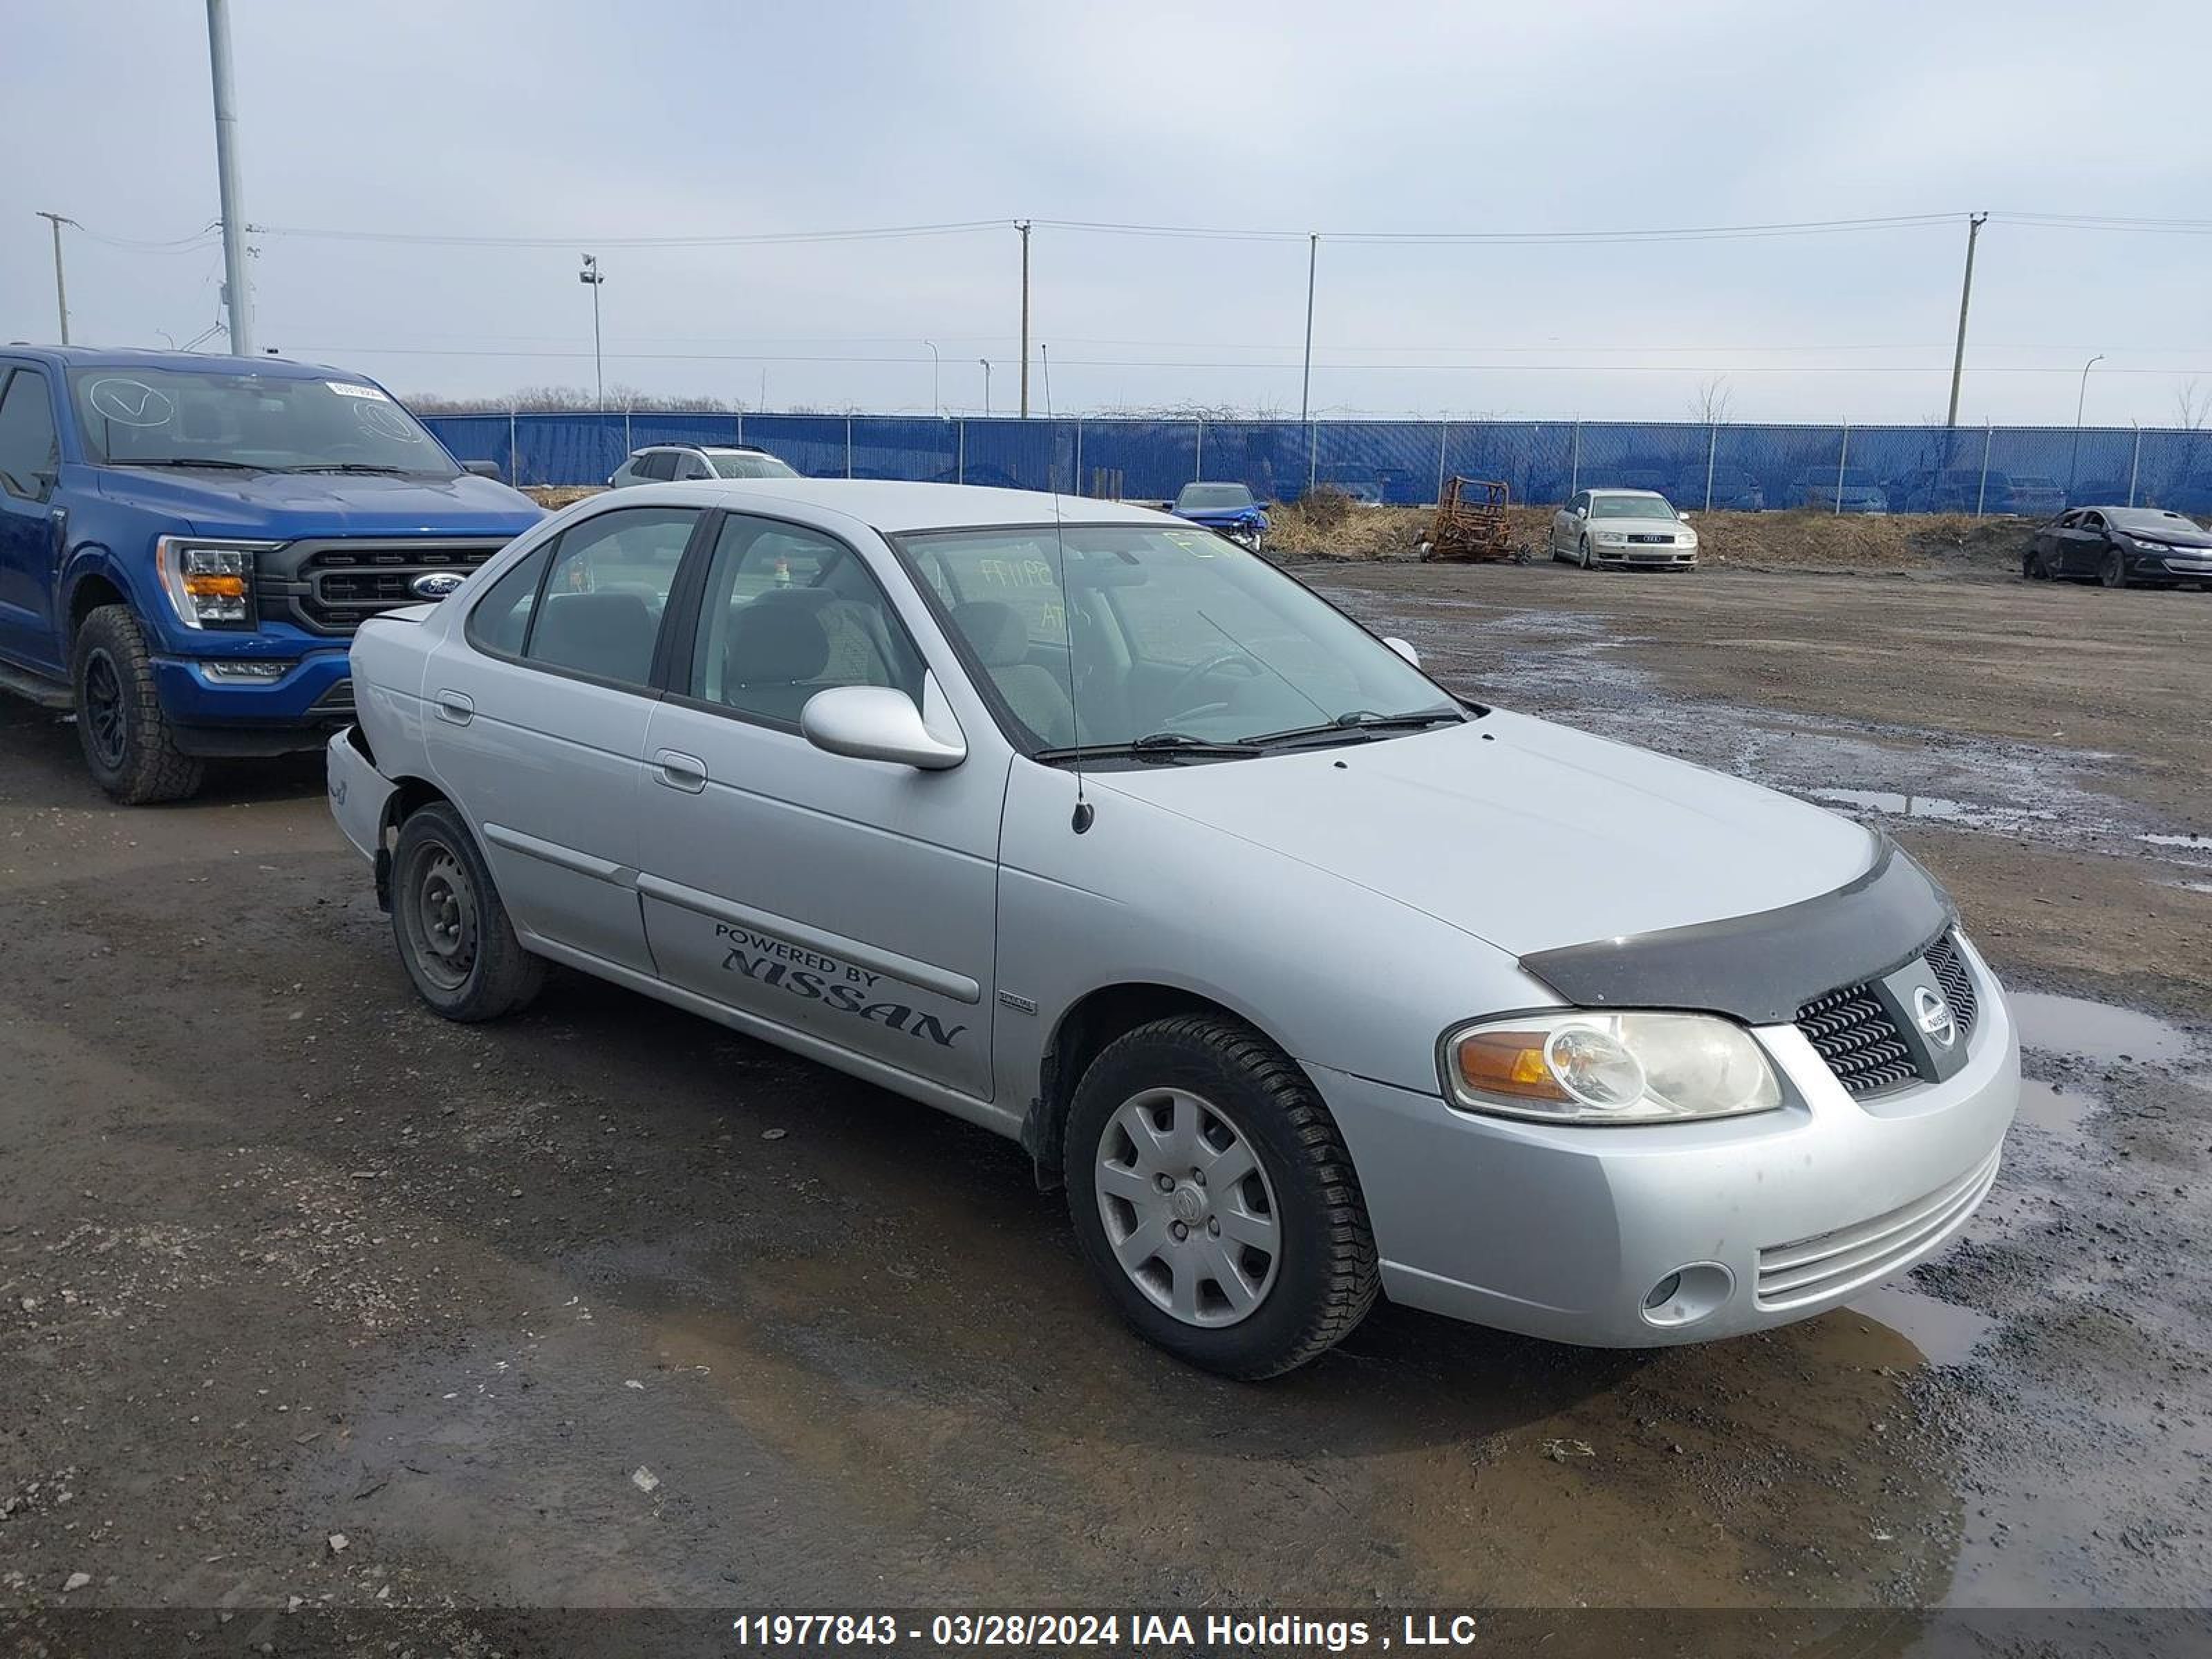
{"points": [[1311, 980]]}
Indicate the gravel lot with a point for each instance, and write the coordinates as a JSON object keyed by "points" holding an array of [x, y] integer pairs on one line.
{"points": [[308, 1299]]}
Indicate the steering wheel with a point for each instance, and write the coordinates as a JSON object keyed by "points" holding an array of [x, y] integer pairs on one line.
{"points": [[1190, 678]]}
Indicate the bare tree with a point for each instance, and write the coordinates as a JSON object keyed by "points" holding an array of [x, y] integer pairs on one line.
{"points": [[1710, 405], [2193, 405]]}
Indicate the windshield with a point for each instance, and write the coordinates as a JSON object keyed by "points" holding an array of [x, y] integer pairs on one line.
{"points": [[269, 423], [1212, 498], [1630, 506], [1157, 632], [727, 466]]}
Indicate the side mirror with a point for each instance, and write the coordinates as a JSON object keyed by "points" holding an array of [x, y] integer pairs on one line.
{"points": [[876, 723], [485, 470], [1403, 650]]}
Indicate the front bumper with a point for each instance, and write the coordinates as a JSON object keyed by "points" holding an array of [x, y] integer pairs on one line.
{"points": [[216, 715], [1673, 555], [1566, 1233], [2188, 565]]}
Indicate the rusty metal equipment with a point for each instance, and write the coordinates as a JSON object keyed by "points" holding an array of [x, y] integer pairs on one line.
{"points": [[1470, 524]]}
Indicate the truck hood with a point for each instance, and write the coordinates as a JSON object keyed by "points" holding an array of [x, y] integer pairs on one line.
{"points": [[1528, 835], [283, 506]]}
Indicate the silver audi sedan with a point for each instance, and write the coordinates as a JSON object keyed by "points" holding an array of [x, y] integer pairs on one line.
{"points": [[1312, 982]]}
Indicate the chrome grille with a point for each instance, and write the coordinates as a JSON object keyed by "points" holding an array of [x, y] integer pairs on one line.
{"points": [[1828, 1264]]}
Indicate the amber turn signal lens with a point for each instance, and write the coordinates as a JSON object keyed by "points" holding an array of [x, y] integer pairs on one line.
{"points": [[1508, 1063], [215, 587]]}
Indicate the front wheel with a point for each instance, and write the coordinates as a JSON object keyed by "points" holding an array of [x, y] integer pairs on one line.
{"points": [[1588, 563], [454, 938], [2114, 572], [1213, 1197], [130, 747]]}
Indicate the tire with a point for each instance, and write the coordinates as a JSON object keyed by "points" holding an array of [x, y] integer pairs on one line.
{"points": [[130, 746], [1306, 1281], [2034, 567], [1588, 563], [2113, 573], [454, 938]]}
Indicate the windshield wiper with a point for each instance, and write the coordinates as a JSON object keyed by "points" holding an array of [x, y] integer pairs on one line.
{"points": [[192, 461], [355, 466], [1154, 746], [1354, 727]]}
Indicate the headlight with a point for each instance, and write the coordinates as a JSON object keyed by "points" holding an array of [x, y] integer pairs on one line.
{"points": [[1580, 1066], [209, 584], [1612, 537]]}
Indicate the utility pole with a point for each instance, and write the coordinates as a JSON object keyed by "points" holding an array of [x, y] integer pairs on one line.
{"points": [[592, 274], [1305, 387], [237, 293], [934, 406], [1966, 293], [1023, 226], [61, 289], [986, 361]]}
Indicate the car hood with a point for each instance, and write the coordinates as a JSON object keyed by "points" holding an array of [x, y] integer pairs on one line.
{"points": [[2171, 538], [281, 506], [1528, 835], [1640, 526], [1220, 514]]}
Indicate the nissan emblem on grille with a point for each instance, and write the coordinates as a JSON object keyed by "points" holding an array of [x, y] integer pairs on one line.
{"points": [[1933, 1015], [434, 583]]}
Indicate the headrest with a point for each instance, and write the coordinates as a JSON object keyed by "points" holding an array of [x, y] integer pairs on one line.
{"points": [[775, 645], [996, 631]]}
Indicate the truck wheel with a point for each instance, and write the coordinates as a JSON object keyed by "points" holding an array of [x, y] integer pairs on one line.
{"points": [[1213, 1197], [130, 747], [454, 938]]}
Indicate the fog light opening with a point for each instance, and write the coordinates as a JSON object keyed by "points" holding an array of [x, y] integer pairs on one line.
{"points": [[1687, 1295]]}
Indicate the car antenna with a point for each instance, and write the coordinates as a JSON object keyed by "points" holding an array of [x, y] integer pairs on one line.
{"points": [[1084, 812]]}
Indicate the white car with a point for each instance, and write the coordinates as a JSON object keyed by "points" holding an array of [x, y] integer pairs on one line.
{"points": [[695, 462], [1623, 527], [1311, 981]]}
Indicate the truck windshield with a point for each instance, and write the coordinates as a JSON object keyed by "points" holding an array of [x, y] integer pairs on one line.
{"points": [[1127, 637], [274, 424]]}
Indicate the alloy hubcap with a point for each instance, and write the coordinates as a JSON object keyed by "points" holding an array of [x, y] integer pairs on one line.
{"points": [[1189, 1213], [103, 709]]}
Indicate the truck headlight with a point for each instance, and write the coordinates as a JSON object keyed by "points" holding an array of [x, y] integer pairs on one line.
{"points": [[1579, 1066], [209, 584]]}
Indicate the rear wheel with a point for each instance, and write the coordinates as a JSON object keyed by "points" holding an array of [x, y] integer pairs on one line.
{"points": [[2114, 571], [454, 938], [1213, 1196], [2036, 566], [130, 747]]}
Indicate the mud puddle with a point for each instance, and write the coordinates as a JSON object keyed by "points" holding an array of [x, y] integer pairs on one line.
{"points": [[1944, 1333], [2097, 1031], [1571, 666]]}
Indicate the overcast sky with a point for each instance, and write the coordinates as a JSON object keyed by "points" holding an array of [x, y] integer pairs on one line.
{"points": [[590, 123]]}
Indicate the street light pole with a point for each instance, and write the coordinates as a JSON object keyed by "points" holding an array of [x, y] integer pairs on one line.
{"points": [[592, 275], [2081, 397], [1023, 226], [61, 291], [986, 361], [934, 406]]}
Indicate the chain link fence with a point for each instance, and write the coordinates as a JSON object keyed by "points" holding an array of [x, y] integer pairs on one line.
{"points": [[1983, 471]]}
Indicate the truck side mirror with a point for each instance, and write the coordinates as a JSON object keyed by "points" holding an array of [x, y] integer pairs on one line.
{"points": [[485, 470]]}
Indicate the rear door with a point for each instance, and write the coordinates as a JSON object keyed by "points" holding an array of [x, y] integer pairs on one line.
{"points": [[536, 718], [30, 459], [850, 902]]}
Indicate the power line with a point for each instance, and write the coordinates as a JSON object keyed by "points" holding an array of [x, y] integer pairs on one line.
{"points": [[436, 239]]}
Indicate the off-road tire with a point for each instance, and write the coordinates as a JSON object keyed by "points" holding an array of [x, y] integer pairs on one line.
{"points": [[130, 746], [501, 977], [1326, 1279]]}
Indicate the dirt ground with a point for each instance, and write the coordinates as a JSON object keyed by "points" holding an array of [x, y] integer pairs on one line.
{"points": [[309, 1300]]}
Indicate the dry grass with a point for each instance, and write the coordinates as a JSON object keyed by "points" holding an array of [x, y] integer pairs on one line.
{"points": [[552, 497]]}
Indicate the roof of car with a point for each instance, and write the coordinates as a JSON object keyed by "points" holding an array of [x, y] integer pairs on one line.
{"points": [[1610, 489], [202, 362], [703, 449], [891, 507]]}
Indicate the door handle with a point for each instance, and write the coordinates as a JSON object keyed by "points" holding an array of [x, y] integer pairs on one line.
{"points": [[455, 708], [680, 771]]}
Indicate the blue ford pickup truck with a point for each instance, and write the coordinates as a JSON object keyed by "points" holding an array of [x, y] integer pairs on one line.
{"points": [[187, 543]]}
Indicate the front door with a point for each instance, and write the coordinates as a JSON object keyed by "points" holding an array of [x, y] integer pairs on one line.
{"points": [[536, 721], [29, 461], [850, 902]]}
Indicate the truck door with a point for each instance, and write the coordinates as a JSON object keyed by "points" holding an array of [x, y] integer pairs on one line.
{"points": [[30, 459]]}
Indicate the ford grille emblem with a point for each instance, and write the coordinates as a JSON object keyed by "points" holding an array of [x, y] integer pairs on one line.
{"points": [[434, 584], [1934, 1017]]}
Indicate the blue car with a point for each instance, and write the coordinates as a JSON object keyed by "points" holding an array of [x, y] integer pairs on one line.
{"points": [[187, 543], [1227, 508]]}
